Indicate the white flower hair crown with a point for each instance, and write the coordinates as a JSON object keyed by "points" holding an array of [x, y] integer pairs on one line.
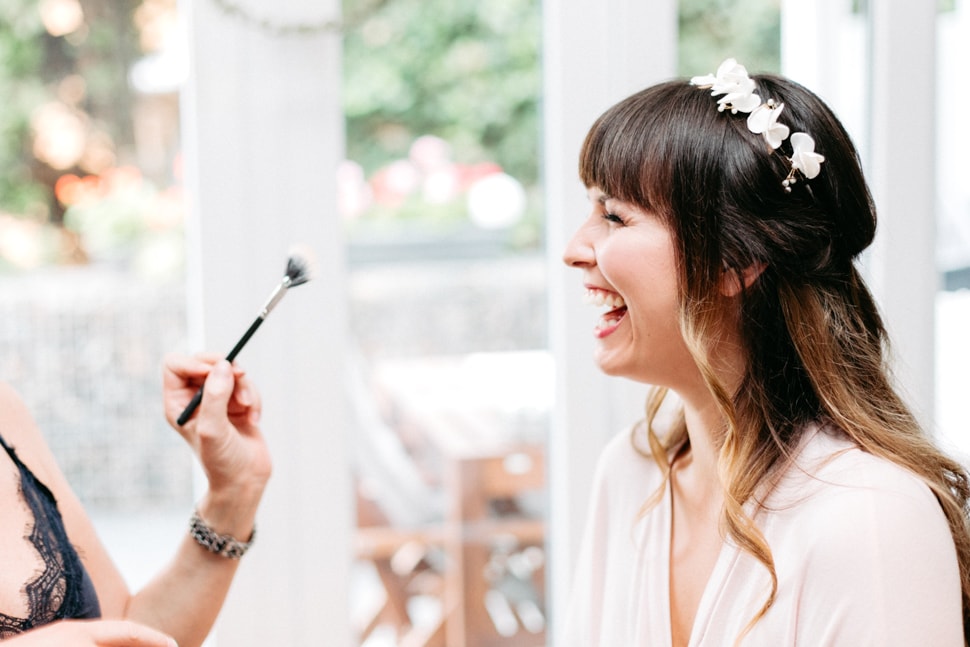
{"points": [[732, 81]]}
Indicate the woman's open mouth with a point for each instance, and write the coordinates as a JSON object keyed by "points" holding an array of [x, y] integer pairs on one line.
{"points": [[610, 319]]}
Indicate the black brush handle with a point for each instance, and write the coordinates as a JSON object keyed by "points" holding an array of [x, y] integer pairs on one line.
{"points": [[197, 398], [242, 340]]}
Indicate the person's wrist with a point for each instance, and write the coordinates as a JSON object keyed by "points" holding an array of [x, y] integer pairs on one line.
{"points": [[231, 511], [222, 544]]}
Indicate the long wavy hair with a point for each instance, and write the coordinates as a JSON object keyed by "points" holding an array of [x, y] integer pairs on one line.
{"points": [[814, 343]]}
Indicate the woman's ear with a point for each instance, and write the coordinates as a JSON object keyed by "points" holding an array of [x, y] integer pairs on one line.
{"points": [[732, 283]]}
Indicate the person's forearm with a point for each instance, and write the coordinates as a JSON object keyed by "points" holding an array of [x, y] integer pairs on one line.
{"points": [[184, 600]]}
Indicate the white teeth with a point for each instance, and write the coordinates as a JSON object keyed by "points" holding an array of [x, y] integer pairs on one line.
{"points": [[600, 298], [607, 322]]}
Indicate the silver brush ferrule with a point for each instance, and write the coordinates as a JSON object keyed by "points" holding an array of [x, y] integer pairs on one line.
{"points": [[275, 297]]}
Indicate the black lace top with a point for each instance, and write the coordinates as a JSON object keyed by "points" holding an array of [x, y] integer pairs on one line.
{"points": [[63, 589]]}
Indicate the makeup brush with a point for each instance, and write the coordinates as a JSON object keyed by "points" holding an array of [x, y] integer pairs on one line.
{"points": [[298, 271]]}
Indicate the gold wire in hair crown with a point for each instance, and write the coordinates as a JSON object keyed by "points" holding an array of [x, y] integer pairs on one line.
{"points": [[732, 81]]}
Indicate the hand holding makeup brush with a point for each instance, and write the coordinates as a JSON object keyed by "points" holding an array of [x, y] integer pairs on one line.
{"points": [[184, 598], [224, 435]]}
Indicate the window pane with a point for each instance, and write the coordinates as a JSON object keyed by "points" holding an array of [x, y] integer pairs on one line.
{"points": [[713, 30], [953, 228], [452, 389]]}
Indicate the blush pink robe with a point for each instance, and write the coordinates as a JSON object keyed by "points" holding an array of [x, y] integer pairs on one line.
{"points": [[862, 550]]}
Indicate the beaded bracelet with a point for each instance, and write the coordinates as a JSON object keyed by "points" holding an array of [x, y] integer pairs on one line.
{"points": [[225, 545]]}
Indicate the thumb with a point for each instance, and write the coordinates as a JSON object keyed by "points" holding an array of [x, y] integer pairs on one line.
{"points": [[217, 391]]}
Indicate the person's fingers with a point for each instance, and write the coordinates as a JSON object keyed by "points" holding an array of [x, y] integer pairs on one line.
{"points": [[243, 394], [194, 368], [248, 400], [219, 386], [189, 364]]}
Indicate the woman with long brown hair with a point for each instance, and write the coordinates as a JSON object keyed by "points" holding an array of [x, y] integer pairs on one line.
{"points": [[792, 498]]}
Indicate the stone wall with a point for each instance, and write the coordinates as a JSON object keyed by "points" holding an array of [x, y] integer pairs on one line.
{"points": [[83, 346]]}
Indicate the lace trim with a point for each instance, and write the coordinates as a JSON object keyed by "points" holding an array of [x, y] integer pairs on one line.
{"points": [[57, 590]]}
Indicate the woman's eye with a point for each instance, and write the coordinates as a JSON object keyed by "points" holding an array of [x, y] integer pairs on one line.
{"points": [[612, 217]]}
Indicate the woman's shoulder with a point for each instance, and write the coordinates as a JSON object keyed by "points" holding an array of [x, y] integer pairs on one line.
{"points": [[15, 419], [864, 543], [862, 550], [8, 393], [839, 467], [21, 433], [843, 492]]}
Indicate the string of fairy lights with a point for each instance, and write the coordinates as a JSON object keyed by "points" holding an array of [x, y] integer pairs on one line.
{"points": [[280, 28]]}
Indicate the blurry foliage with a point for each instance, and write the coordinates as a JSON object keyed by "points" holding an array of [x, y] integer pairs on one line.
{"points": [[470, 73], [467, 72], [21, 55], [68, 112], [84, 69], [713, 30]]}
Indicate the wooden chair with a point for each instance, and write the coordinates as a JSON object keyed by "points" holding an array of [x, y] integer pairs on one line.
{"points": [[496, 576], [399, 524], [477, 549], [407, 563]]}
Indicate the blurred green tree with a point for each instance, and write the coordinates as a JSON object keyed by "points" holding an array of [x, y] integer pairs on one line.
{"points": [[67, 101], [467, 72], [713, 30], [69, 120], [21, 56]]}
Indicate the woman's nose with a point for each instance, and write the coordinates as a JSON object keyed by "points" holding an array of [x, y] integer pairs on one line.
{"points": [[579, 251]]}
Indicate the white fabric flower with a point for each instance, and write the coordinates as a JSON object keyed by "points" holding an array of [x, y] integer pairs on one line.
{"points": [[731, 80], [741, 101], [763, 120], [738, 89], [804, 158], [729, 76]]}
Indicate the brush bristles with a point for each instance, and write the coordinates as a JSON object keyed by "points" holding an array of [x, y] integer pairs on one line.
{"points": [[299, 267]]}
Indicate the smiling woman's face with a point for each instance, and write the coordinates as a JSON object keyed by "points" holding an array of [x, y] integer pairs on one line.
{"points": [[629, 268]]}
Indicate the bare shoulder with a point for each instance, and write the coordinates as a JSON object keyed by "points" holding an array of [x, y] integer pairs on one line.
{"points": [[20, 431], [16, 423], [9, 396]]}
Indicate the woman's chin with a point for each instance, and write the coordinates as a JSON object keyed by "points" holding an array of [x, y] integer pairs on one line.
{"points": [[610, 365]]}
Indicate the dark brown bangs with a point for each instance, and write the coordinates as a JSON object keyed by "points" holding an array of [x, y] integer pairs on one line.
{"points": [[628, 152]]}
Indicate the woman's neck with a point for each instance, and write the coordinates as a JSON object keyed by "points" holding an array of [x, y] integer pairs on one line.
{"points": [[705, 429], [705, 420]]}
